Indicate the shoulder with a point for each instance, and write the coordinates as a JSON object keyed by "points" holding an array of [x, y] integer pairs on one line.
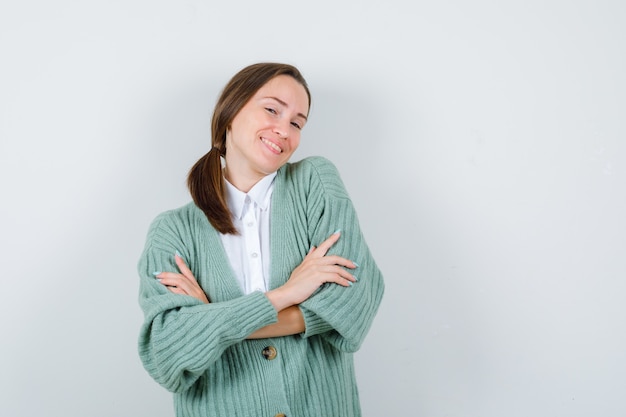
{"points": [[182, 218], [317, 164], [317, 172]]}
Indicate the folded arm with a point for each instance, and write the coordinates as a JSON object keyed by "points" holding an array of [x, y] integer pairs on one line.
{"points": [[342, 316], [182, 336]]}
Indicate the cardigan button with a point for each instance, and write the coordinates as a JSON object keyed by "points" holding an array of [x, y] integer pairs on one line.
{"points": [[269, 353]]}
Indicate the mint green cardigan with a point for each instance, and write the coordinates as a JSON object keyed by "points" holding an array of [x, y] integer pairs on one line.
{"points": [[200, 352]]}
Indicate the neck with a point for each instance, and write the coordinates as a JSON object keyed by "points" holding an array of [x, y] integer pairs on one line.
{"points": [[242, 182]]}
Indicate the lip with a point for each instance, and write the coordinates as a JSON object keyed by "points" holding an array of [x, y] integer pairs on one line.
{"points": [[272, 149]]}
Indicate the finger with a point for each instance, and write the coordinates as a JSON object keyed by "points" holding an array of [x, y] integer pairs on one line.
{"points": [[182, 286], [335, 260], [332, 260], [170, 282], [327, 244], [340, 279], [310, 253], [340, 272], [182, 266], [186, 284], [177, 290], [175, 280], [170, 276]]}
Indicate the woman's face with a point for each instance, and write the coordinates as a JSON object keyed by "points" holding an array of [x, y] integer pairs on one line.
{"points": [[266, 131]]}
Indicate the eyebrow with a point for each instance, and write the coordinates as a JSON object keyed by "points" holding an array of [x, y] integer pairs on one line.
{"points": [[286, 105]]}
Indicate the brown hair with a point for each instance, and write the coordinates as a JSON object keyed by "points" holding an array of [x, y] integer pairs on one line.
{"points": [[205, 180]]}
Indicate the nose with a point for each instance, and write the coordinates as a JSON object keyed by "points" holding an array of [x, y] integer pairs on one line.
{"points": [[281, 128]]}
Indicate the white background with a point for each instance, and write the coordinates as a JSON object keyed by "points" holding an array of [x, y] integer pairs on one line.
{"points": [[483, 144]]}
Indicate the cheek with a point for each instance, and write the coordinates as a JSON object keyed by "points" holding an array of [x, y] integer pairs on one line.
{"points": [[295, 142]]}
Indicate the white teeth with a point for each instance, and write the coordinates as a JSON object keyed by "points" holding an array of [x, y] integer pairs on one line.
{"points": [[271, 144]]}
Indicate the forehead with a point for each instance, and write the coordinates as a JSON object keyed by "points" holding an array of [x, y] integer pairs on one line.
{"points": [[286, 89]]}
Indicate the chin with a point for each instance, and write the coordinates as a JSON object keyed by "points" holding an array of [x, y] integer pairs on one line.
{"points": [[273, 166]]}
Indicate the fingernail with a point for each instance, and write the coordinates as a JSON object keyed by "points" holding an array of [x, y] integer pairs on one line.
{"points": [[355, 277], [156, 273], [178, 254], [337, 231], [350, 283], [355, 264]]}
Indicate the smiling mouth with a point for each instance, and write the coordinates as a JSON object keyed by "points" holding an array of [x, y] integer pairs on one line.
{"points": [[271, 145]]}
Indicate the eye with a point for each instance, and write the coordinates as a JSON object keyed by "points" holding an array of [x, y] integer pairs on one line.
{"points": [[296, 125], [271, 110]]}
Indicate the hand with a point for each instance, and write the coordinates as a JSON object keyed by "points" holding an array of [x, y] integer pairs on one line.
{"points": [[315, 270], [184, 283]]}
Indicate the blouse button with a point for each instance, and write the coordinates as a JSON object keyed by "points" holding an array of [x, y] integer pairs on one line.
{"points": [[269, 353]]}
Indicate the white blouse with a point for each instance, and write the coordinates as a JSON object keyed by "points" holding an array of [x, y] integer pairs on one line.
{"points": [[249, 252]]}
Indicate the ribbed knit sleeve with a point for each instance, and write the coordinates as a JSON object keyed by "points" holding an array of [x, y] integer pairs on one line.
{"points": [[181, 337], [342, 315]]}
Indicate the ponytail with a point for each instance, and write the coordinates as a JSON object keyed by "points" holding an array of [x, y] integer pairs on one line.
{"points": [[206, 186]]}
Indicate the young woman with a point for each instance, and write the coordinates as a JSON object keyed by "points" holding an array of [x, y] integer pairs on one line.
{"points": [[256, 294]]}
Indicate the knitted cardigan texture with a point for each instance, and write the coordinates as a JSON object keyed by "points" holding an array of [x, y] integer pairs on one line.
{"points": [[200, 352]]}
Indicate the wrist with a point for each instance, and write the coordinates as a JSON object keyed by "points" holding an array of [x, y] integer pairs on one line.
{"points": [[279, 299]]}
